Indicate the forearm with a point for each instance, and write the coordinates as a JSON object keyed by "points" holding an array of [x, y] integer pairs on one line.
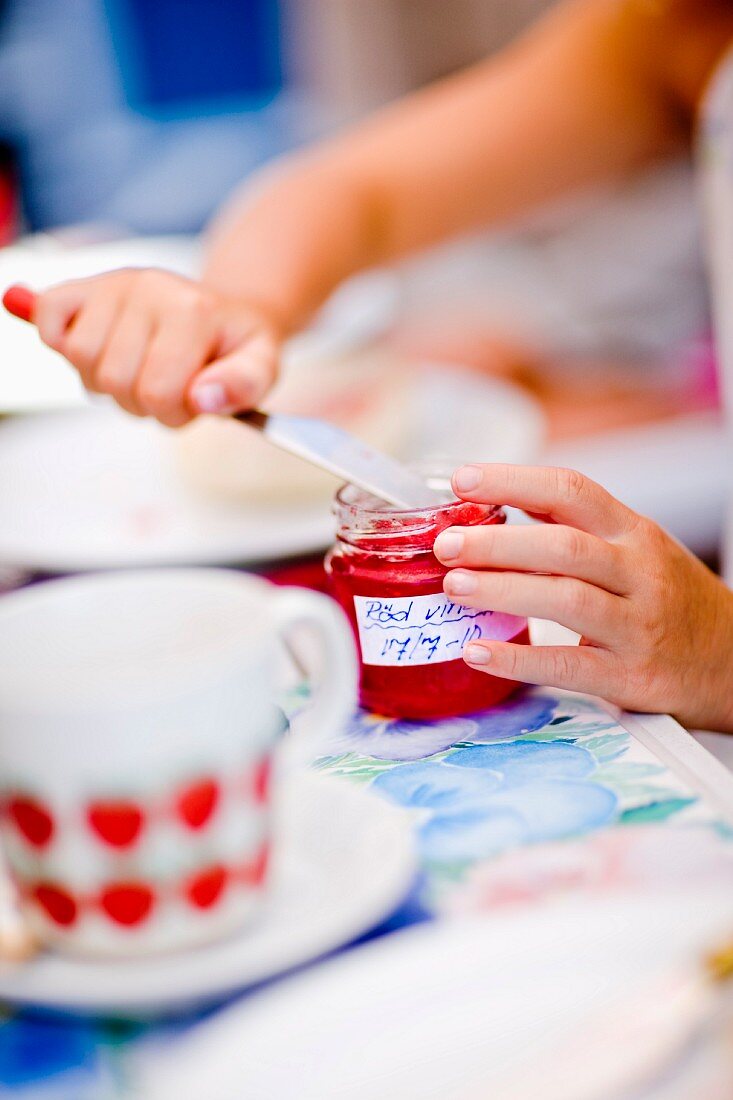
{"points": [[570, 104], [291, 237]]}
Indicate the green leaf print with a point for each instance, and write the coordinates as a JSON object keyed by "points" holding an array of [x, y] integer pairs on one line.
{"points": [[626, 772], [654, 811]]}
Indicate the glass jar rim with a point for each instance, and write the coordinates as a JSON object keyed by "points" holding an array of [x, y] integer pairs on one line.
{"points": [[354, 508], [363, 524]]}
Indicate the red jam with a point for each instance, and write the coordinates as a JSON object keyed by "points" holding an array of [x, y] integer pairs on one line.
{"points": [[409, 634]]}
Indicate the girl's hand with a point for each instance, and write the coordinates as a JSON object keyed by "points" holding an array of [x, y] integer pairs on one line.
{"points": [[656, 625], [161, 345]]}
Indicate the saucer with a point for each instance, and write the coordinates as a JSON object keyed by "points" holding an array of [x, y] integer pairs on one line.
{"points": [[343, 861]]}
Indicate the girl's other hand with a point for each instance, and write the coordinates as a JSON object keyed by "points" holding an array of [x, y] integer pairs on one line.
{"points": [[656, 625], [160, 344]]}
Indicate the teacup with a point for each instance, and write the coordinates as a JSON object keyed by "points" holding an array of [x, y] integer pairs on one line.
{"points": [[138, 731]]}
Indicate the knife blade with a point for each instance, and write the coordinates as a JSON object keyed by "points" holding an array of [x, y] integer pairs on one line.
{"points": [[345, 456]]}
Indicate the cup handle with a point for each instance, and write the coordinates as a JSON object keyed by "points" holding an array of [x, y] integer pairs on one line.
{"points": [[331, 668]]}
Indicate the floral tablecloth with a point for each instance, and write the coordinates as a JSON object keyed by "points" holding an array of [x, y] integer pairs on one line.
{"points": [[545, 794]]}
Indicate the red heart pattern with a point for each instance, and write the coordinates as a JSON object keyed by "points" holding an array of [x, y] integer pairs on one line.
{"points": [[56, 903], [204, 889], [32, 819], [120, 823], [127, 903], [117, 823], [131, 903], [196, 803]]}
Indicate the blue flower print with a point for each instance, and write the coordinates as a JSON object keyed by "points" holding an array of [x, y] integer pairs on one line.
{"points": [[482, 799], [436, 786], [555, 808], [399, 739], [522, 761], [525, 712], [540, 811], [471, 834]]}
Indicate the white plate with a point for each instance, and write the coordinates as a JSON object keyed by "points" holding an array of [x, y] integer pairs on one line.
{"points": [[343, 861], [97, 489], [33, 377], [448, 1010]]}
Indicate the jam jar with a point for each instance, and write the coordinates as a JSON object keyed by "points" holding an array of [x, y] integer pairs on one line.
{"points": [[410, 635]]}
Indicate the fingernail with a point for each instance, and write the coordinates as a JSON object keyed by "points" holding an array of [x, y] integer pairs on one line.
{"points": [[461, 583], [449, 543], [210, 397], [467, 478], [477, 655]]}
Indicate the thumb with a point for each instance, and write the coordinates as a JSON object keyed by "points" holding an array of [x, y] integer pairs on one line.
{"points": [[55, 309], [236, 381]]}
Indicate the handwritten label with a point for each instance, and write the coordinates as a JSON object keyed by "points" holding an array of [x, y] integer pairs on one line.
{"points": [[424, 630]]}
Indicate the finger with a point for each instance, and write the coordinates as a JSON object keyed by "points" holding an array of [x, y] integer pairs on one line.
{"points": [[122, 358], [56, 308], [564, 496], [577, 668], [584, 608], [177, 352], [88, 332], [238, 380], [546, 548]]}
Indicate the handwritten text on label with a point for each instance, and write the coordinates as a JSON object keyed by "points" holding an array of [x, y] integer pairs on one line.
{"points": [[424, 630]]}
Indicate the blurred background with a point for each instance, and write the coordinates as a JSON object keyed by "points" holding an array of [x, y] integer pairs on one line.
{"points": [[121, 118], [106, 102]]}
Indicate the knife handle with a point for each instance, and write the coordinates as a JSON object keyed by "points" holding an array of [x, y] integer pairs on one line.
{"points": [[21, 302]]}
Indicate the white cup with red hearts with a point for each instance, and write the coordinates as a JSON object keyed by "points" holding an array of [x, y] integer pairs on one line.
{"points": [[138, 729]]}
